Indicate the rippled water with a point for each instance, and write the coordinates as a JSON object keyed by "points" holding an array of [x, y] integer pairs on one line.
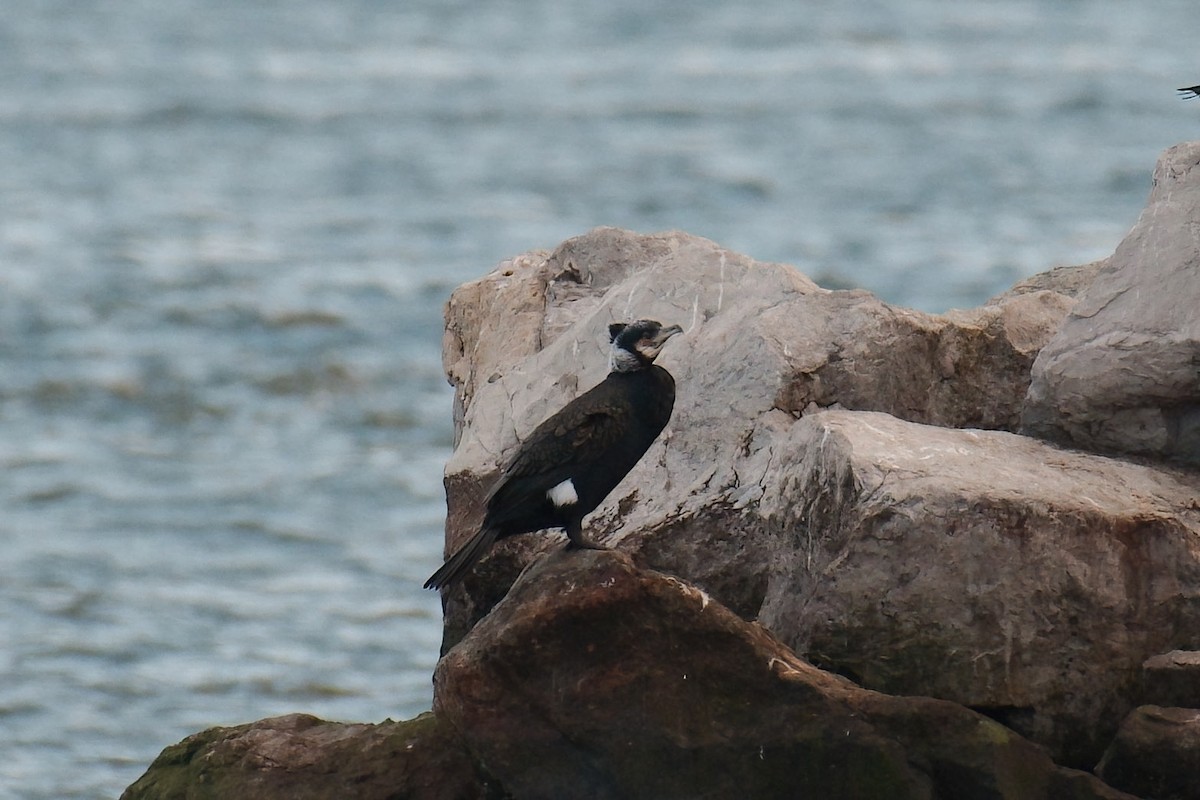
{"points": [[228, 229]]}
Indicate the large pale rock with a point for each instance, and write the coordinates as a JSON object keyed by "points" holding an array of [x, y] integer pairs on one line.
{"points": [[298, 757], [595, 679], [1123, 373], [1156, 754], [547, 313], [759, 338], [982, 567]]}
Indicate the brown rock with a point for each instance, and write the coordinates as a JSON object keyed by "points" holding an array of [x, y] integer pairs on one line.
{"points": [[1156, 754], [1123, 373], [299, 757], [595, 679], [1172, 679]]}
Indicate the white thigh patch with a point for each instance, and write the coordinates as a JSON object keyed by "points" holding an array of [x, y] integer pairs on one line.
{"points": [[563, 494]]}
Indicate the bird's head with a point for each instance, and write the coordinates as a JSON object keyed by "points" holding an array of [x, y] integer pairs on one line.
{"points": [[635, 345]]}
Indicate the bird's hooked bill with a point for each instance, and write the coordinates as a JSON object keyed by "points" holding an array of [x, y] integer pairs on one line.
{"points": [[667, 333]]}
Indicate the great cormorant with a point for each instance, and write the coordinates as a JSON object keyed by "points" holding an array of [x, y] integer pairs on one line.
{"points": [[571, 461]]}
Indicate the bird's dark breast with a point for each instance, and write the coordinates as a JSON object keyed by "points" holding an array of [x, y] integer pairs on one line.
{"points": [[594, 442], [651, 397]]}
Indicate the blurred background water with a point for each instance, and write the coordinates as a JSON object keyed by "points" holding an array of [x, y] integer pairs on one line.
{"points": [[228, 229]]}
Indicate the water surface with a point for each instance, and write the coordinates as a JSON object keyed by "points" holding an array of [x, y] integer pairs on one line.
{"points": [[229, 228]]}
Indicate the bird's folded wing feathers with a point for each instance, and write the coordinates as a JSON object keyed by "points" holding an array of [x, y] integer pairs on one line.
{"points": [[565, 442]]}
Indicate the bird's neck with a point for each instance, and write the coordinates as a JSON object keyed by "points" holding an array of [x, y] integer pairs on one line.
{"points": [[621, 360]]}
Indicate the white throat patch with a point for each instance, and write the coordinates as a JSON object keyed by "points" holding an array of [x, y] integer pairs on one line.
{"points": [[563, 494], [621, 360]]}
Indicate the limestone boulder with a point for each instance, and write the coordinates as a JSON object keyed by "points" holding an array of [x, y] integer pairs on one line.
{"points": [[299, 757], [761, 340], [595, 679], [546, 313], [1156, 754], [980, 566], [1123, 373]]}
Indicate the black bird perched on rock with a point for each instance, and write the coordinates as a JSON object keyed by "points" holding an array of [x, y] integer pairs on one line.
{"points": [[570, 462], [1188, 92]]}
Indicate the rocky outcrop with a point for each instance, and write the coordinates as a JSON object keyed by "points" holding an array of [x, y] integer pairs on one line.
{"points": [[1156, 754], [973, 565], [839, 568], [594, 679], [1123, 373], [763, 345], [597, 679], [299, 757]]}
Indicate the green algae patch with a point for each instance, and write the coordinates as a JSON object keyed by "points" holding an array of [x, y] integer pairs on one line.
{"points": [[299, 757]]}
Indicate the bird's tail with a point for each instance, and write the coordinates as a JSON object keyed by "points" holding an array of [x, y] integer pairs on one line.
{"points": [[464, 558]]}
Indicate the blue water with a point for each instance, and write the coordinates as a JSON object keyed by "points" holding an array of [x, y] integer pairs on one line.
{"points": [[228, 229]]}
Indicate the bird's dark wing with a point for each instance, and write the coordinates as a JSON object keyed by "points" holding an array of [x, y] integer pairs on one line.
{"points": [[1188, 92], [581, 433], [564, 441]]}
